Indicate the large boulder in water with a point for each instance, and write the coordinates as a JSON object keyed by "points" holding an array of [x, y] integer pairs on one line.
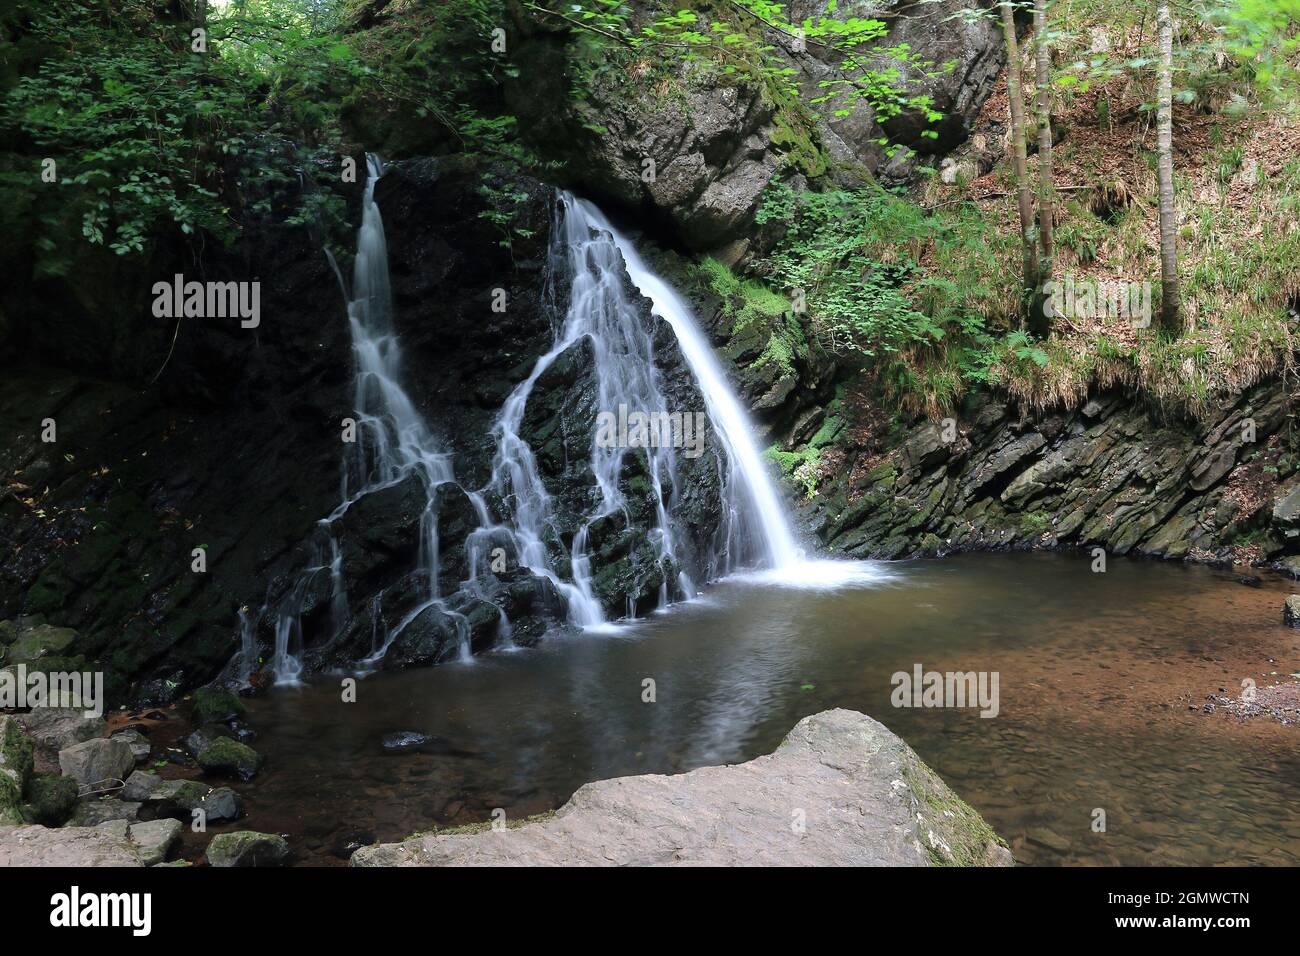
{"points": [[431, 637], [841, 790]]}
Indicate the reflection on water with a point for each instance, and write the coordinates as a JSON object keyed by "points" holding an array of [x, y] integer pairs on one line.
{"points": [[1099, 675]]}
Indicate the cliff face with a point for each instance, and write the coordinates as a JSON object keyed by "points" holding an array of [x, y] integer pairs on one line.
{"points": [[692, 150], [233, 450], [236, 452]]}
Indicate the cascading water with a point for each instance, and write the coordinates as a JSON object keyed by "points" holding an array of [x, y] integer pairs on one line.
{"points": [[599, 310], [595, 257], [750, 498], [393, 442]]}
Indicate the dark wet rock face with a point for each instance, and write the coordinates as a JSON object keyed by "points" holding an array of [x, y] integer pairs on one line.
{"points": [[1108, 474], [169, 525], [233, 452]]}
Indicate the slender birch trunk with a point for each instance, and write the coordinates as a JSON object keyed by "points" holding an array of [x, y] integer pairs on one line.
{"points": [[1028, 237], [1170, 319]]}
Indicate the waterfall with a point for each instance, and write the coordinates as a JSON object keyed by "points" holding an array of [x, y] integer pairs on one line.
{"points": [[750, 498], [595, 257], [600, 311], [393, 442]]}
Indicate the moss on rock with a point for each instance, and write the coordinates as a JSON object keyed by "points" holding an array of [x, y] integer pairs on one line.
{"points": [[51, 798], [228, 756], [247, 848], [216, 705], [15, 770]]}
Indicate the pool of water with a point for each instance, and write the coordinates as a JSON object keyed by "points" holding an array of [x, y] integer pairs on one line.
{"points": [[1101, 682]]}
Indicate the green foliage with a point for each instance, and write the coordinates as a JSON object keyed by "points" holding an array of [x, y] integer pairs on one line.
{"points": [[430, 81], [146, 133], [1264, 37], [744, 300], [503, 205], [855, 256], [754, 309], [802, 467], [739, 39]]}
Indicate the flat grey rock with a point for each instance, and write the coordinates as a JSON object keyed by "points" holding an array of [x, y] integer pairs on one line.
{"points": [[97, 760], [841, 790], [108, 844], [155, 839]]}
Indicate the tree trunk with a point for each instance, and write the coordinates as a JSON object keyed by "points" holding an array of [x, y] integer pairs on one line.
{"points": [[1028, 239], [1046, 181], [1170, 319]]}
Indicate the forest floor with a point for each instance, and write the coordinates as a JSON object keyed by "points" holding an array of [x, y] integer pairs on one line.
{"points": [[1237, 176]]}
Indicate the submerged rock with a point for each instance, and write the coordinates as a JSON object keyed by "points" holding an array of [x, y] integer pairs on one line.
{"points": [[411, 741], [1291, 611], [345, 844], [840, 790], [246, 848], [226, 756], [404, 741], [214, 705]]}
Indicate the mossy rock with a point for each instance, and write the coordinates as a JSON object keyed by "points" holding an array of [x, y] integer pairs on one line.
{"points": [[957, 834], [51, 799], [226, 756], [884, 473], [216, 705], [41, 643], [246, 848]]}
